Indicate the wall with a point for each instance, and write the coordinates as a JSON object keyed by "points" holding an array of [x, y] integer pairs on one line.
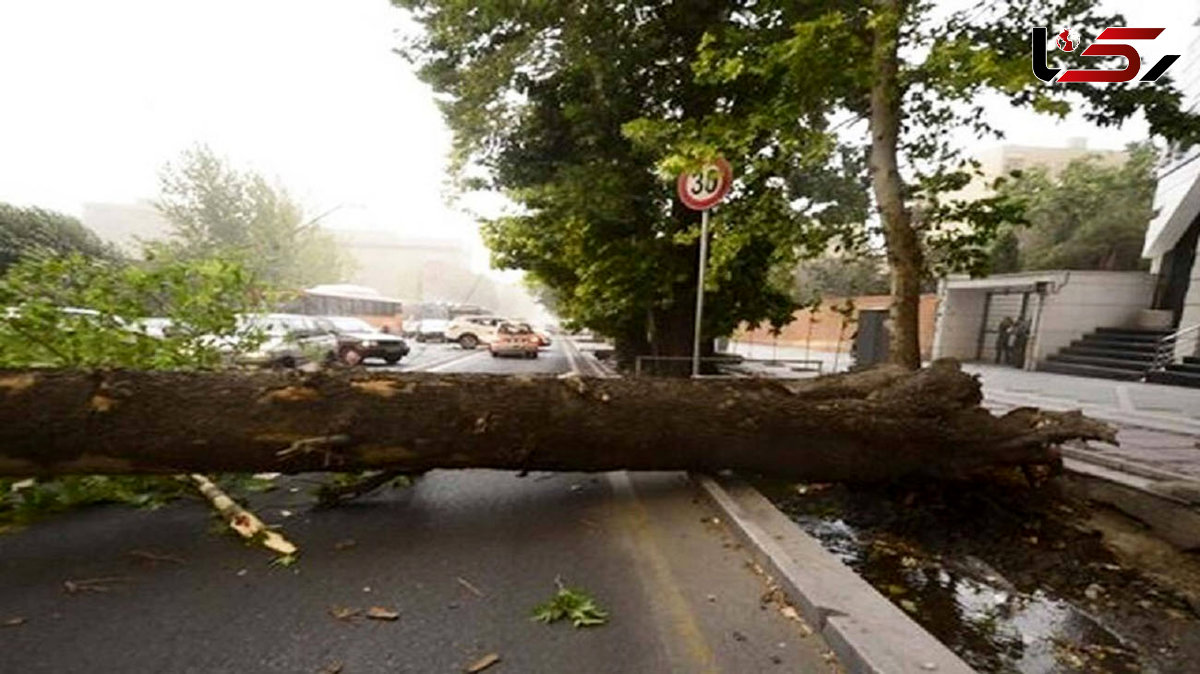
{"points": [[959, 317], [827, 330], [1191, 312], [1088, 300]]}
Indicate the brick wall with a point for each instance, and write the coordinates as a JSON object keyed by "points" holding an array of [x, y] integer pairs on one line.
{"points": [[821, 329]]}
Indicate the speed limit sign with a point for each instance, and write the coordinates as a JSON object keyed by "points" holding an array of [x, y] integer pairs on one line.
{"points": [[702, 189]]}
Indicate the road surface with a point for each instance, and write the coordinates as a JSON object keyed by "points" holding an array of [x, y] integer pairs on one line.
{"points": [[462, 556]]}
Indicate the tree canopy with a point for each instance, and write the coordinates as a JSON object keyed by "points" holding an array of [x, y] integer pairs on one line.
{"points": [[847, 123], [561, 105], [1092, 215], [216, 210], [38, 232], [906, 81]]}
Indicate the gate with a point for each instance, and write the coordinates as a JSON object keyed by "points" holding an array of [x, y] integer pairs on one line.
{"points": [[1000, 304], [871, 342]]}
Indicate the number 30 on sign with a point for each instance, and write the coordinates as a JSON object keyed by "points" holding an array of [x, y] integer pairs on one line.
{"points": [[702, 189]]}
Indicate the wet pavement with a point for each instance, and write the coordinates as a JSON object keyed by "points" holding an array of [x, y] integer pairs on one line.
{"points": [[461, 556]]}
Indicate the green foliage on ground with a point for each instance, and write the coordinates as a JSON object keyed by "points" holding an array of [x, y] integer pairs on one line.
{"points": [[219, 211], [571, 604], [27, 232], [1093, 215], [23, 501]]}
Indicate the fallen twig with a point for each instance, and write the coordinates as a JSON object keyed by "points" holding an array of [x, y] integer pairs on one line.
{"points": [[467, 584], [92, 584], [483, 663], [244, 522], [155, 557]]}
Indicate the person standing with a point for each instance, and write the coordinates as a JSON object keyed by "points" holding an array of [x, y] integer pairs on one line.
{"points": [[1003, 332], [1019, 342]]}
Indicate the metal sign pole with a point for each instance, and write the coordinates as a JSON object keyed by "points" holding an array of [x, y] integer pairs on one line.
{"points": [[700, 291]]}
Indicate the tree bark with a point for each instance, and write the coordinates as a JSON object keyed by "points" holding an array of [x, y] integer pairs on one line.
{"points": [[903, 247], [869, 426]]}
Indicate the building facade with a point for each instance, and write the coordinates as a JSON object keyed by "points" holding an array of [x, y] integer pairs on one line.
{"points": [[1173, 235]]}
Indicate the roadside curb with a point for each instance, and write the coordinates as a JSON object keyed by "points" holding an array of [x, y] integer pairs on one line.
{"points": [[867, 632], [1141, 497]]}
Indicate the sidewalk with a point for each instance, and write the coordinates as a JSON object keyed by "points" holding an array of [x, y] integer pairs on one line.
{"points": [[1158, 425]]}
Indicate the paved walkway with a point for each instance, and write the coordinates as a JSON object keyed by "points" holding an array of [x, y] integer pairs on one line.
{"points": [[1159, 426]]}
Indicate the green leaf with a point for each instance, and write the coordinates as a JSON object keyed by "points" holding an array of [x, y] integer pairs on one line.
{"points": [[572, 604]]}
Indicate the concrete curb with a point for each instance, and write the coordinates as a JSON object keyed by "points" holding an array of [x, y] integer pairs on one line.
{"points": [[1125, 466], [867, 632], [1171, 518]]}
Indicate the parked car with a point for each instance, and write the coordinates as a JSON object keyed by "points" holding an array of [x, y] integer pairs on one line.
{"points": [[153, 327], [289, 340], [514, 339], [358, 340], [471, 331], [432, 330]]}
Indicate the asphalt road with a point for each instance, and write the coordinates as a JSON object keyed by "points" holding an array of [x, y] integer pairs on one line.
{"points": [[462, 556]]}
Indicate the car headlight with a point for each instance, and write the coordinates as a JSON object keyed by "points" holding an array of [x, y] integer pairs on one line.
{"points": [[368, 344]]}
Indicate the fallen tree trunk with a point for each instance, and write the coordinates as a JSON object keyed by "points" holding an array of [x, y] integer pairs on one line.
{"points": [[876, 425]]}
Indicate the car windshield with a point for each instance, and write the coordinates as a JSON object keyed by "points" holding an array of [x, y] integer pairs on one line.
{"points": [[350, 324]]}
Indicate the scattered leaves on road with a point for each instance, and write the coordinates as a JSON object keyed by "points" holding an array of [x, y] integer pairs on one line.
{"points": [[332, 668], [285, 560], [14, 621], [381, 613], [483, 663], [573, 604]]}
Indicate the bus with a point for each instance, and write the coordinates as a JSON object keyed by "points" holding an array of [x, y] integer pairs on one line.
{"points": [[344, 299]]}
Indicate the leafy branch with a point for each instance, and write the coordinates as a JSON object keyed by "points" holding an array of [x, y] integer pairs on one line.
{"points": [[573, 604]]}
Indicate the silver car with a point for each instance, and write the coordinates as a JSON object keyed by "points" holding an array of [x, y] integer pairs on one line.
{"points": [[288, 340]]}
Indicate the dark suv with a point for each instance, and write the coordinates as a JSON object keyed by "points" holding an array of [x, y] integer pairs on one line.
{"points": [[359, 340]]}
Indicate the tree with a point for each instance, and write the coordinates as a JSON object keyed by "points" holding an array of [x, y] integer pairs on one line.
{"points": [[571, 109], [909, 76], [40, 232], [77, 312], [1091, 216], [218, 211], [840, 277], [862, 427]]}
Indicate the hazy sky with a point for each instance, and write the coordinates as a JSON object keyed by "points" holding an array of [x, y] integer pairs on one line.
{"points": [[97, 95]]}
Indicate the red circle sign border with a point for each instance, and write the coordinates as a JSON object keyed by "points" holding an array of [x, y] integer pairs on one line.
{"points": [[726, 181]]}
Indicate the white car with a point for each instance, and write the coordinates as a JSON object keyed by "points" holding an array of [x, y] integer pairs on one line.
{"points": [[432, 329], [471, 331], [289, 340]]}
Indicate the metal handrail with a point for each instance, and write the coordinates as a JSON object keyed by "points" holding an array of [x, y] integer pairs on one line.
{"points": [[1164, 352]]}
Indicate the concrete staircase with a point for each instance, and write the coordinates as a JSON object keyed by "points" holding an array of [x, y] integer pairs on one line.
{"points": [[1186, 373], [1113, 353]]}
